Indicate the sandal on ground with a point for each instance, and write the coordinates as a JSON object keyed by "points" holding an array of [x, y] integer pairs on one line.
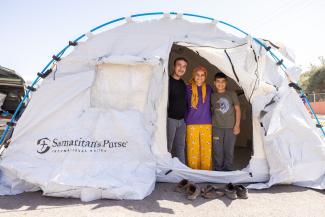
{"points": [[211, 192], [241, 191], [181, 186], [230, 191], [192, 191]]}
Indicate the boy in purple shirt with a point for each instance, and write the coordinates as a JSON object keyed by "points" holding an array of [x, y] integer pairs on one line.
{"points": [[198, 121]]}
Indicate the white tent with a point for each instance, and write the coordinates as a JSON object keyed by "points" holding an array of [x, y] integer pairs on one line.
{"points": [[96, 128]]}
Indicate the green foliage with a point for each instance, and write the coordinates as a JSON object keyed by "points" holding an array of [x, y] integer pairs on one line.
{"points": [[314, 79]]}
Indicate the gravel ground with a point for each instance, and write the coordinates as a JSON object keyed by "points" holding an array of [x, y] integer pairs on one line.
{"points": [[284, 200]]}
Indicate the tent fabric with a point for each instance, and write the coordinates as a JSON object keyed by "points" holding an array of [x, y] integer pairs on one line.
{"points": [[97, 127], [2, 98]]}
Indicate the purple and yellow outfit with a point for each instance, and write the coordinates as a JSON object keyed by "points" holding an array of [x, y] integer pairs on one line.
{"points": [[199, 127]]}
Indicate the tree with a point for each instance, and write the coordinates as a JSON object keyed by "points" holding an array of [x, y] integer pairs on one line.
{"points": [[314, 79]]}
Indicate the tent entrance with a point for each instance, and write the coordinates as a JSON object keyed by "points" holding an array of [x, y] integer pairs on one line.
{"points": [[244, 142]]}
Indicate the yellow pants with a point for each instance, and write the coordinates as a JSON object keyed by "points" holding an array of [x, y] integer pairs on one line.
{"points": [[199, 146]]}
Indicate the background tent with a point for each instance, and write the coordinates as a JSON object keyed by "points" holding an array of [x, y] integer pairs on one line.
{"points": [[96, 127], [12, 89]]}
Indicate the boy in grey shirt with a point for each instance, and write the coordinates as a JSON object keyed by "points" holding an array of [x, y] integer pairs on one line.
{"points": [[226, 123]]}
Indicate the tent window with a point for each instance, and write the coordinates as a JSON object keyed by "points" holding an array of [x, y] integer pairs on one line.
{"points": [[109, 88]]}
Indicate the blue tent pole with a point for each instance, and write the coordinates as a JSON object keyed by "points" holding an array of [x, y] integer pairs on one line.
{"points": [[133, 16]]}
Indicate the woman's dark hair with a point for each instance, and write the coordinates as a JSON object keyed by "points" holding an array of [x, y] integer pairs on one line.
{"points": [[220, 75], [180, 58]]}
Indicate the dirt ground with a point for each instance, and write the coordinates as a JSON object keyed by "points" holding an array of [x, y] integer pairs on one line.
{"points": [[279, 201]]}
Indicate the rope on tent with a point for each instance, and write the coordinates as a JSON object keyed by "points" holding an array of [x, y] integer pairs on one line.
{"points": [[43, 74], [255, 57], [256, 74], [232, 66]]}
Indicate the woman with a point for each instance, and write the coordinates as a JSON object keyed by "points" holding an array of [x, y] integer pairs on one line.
{"points": [[198, 121]]}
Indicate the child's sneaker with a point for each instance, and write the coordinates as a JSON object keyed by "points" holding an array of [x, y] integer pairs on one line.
{"points": [[230, 191], [211, 192], [241, 191], [182, 185]]}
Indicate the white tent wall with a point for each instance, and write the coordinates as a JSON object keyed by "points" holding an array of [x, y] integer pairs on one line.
{"points": [[68, 118], [64, 107], [76, 88], [293, 148]]}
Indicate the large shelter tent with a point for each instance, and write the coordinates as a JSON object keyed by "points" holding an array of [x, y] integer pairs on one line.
{"points": [[96, 126]]}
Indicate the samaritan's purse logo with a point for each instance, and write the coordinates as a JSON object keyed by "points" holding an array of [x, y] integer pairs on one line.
{"points": [[44, 145], [77, 145]]}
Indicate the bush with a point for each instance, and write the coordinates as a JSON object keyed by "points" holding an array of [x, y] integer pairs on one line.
{"points": [[314, 79]]}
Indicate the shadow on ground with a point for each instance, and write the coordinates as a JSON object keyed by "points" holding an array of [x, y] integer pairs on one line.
{"points": [[151, 204]]}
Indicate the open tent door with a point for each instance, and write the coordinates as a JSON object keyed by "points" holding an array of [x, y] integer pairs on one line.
{"points": [[239, 63], [243, 147], [285, 140], [176, 171], [96, 142]]}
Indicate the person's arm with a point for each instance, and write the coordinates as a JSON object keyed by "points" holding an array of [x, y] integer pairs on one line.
{"points": [[187, 105], [211, 101], [236, 129], [237, 122]]}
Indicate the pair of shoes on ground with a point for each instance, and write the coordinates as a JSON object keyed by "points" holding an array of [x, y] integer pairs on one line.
{"points": [[212, 192], [192, 191], [236, 191], [231, 191]]}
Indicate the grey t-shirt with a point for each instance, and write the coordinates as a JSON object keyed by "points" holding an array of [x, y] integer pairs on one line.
{"points": [[223, 111]]}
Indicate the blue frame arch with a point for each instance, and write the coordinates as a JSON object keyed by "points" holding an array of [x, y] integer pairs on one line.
{"points": [[59, 54]]}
